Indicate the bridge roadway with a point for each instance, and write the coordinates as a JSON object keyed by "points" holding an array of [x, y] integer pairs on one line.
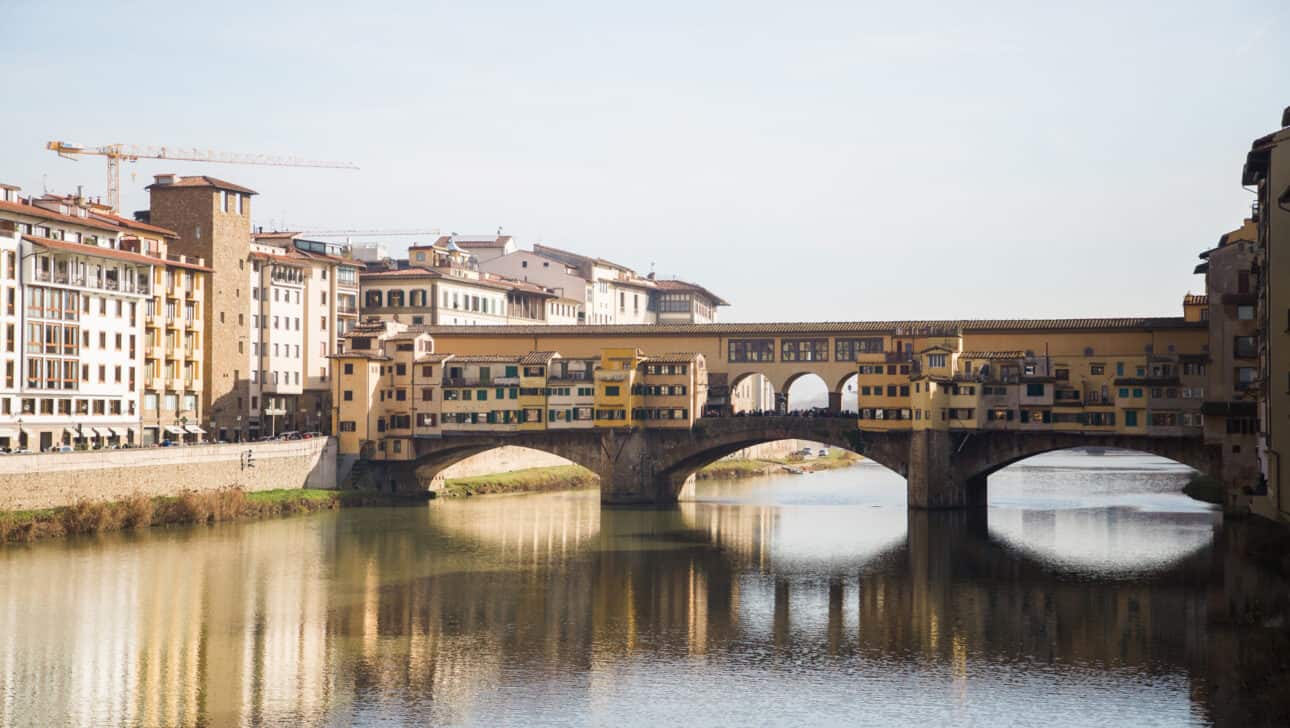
{"points": [[944, 469]]}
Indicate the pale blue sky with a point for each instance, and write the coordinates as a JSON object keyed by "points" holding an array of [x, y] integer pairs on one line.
{"points": [[850, 160]]}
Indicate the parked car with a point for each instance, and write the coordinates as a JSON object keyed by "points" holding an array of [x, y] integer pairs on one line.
{"points": [[290, 435], [310, 435], [823, 453]]}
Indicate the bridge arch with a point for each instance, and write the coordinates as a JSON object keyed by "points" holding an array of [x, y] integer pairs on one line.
{"points": [[982, 454], [725, 436], [434, 455]]}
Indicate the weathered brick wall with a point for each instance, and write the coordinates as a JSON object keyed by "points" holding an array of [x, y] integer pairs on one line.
{"points": [[52, 480]]}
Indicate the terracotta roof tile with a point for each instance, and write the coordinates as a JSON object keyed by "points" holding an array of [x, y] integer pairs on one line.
{"points": [[679, 285], [992, 355], [40, 212], [86, 249], [539, 357], [203, 180], [487, 358], [1195, 299]]}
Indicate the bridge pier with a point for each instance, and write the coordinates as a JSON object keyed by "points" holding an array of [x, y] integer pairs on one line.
{"points": [[933, 481]]}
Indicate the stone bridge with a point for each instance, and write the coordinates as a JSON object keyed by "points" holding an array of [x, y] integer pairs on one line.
{"points": [[943, 469]]}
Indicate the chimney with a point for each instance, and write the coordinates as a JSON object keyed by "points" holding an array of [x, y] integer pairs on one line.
{"points": [[164, 179]]}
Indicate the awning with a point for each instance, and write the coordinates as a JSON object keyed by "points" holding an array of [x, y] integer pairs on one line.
{"points": [[72, 431], [118, 431], [194, 430], [174, 429], [11, 434], [102, 431]]}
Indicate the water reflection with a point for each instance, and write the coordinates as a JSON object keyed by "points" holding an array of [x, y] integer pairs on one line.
{"points": [[789, 600]]}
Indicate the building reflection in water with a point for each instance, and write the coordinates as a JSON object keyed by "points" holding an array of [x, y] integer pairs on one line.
{"points": [[432, 612]]}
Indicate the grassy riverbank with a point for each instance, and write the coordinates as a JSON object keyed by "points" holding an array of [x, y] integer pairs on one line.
{"points": [[529, 480], [229, 504], [740, 468]]}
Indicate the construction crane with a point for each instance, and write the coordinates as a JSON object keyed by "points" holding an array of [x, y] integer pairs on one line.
{"points": [[116, 153]]}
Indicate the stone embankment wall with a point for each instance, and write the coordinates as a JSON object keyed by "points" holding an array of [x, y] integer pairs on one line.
{"points": [[59, 479]]}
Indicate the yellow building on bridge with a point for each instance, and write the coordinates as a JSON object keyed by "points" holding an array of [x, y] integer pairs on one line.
{"points": [[1097, 376]]}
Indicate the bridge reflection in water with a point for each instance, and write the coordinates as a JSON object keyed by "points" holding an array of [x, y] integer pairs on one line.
{"points": [[486, 610]]}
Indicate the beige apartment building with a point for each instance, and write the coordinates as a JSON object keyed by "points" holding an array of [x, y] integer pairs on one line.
{"points": [[1230, 306], [1267, 169]]}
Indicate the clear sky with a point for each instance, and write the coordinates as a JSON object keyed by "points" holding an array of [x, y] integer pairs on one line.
{"points": [[807, 161]]}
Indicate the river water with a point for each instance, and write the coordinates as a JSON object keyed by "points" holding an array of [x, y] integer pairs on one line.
{"points": [[1091, 593]]}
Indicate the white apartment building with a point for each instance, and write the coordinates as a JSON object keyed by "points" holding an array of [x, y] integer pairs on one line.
{"points": [[442, 285], [72, 304], [610, 293]]}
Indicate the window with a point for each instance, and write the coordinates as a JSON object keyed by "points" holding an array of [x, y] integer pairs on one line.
{"points": [[936, 361], [744, 350], [1244, 347], [347, 426], [1245, 377], [1034, 389], [1245, 313], [611, 390], [804, 350], [849, 349]]}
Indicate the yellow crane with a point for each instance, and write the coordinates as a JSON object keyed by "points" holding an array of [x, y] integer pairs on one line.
{"points": [[116, 153]]}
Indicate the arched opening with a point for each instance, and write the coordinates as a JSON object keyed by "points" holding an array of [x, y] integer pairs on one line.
{"points": [[807, 392], [509, 468], [849, 390], [841, 466], [752, 393], [1101, 510]]}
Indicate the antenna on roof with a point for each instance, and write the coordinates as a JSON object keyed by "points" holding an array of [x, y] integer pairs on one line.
{"points": [[499, 231]]}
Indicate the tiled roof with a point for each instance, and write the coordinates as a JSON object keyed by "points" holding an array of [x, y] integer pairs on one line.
{"points": [[993, 355], [257, 255], [486, 358], [203, 180], [538, 357], [1195, 299], [433, 358], [838, 328], [371, 355], [40, 212], [679, 285], [672, 357], [132, 224], [85, 249], [401, 273]]}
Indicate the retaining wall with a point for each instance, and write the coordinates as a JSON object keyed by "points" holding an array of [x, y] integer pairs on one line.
{"points": [[60, 479]]}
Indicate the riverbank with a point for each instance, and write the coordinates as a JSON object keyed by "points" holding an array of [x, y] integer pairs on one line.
{"points": [[741, 468], [528, 480], [191, 508]]}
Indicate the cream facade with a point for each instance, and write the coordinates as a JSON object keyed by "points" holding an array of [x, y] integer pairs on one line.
{"points": [[1267, 169], [73, 304]]}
